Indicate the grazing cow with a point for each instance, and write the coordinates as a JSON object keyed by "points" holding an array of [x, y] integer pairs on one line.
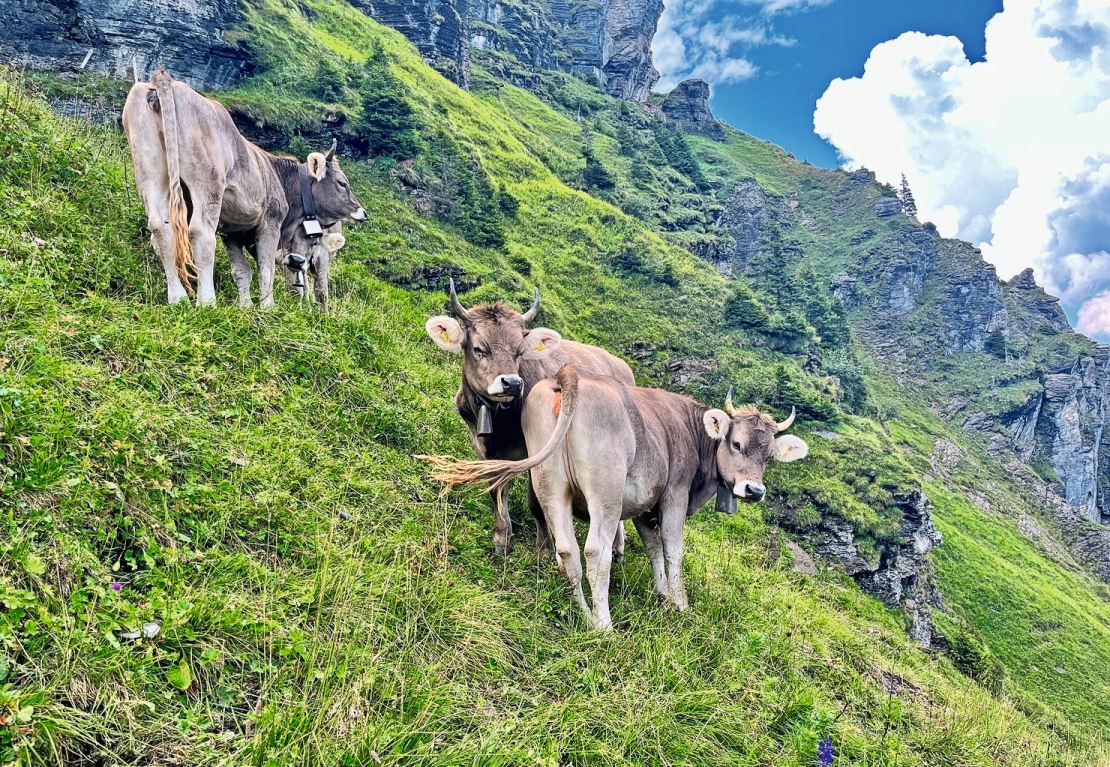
{"points": [[319, 260], [502, 360], [627, 452], [196, 174]]}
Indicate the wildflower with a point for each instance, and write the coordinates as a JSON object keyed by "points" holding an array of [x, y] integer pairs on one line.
{"points": [[825, 752], [117, 586]]}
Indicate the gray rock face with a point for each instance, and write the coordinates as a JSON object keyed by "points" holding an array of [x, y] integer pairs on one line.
{"points": [[973, 309], [610, 40], [184, 36], [1024, 288], [1063, 428], [438, 28], [909, 263], [688, 106], [902, 575], [524, 30], [887, 207], [747, 220]]}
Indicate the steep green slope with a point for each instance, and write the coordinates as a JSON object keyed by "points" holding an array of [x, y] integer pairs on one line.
{"points": [[245, 479]]}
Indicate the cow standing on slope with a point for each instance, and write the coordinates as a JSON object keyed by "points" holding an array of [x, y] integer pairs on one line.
{"points": [[502, 360], [620, 452], [197, 175]]}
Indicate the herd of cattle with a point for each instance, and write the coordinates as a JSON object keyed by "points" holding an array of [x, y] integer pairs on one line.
{"points": [[594, 444]]}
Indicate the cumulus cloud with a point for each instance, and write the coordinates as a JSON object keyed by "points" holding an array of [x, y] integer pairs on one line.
{"points": [[1011, 153], [694, 40]]}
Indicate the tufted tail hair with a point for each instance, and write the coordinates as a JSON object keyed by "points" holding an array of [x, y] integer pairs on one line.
{"points": [[179, 214], [498, 474]]}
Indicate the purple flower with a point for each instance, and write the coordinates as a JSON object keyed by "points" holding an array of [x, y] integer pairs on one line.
{"points": [[117, 586], [825, 752]]}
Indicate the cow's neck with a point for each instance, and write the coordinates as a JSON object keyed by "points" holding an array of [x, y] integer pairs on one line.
{"points": [[289, 172], [505, 416], [708, 477]]}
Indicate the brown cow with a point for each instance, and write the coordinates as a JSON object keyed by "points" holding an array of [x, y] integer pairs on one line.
{"points": [[626, 452], [196, 174], [502, 361]]}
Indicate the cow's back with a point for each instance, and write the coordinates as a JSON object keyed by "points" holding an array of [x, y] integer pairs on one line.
{"points": [[589, 360]]}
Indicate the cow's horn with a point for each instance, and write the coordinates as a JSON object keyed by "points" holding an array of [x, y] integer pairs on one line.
{"points": [[530, 315], [457, 308], [728, 403], [331, 152], [788, 422]]}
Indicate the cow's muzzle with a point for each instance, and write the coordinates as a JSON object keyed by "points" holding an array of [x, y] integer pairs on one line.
{"points": [[749, 492], [359, 215], [296, 262], [506, 387]]}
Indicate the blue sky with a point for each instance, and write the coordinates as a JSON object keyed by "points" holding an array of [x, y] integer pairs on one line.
{"points": [[801, 47]]}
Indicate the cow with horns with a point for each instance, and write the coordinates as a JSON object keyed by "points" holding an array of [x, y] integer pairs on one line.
{"points": [[197, 176], [502, 360], [617, 451]]}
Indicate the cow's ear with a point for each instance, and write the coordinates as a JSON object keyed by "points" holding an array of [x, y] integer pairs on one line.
{"points": [[790, 448], [446, 332], [716, 423], [317, 165], [539, 342], [334, 241]]}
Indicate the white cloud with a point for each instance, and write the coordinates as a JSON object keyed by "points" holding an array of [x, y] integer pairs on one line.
{"points": [[1011, 153], [695, 40]]}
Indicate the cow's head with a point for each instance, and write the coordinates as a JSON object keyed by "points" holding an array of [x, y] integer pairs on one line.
{"points": [[331, 191], [747, 441], [493, 339]]}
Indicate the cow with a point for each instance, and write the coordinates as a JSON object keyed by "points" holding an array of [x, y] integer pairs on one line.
{"points": [[502, 360], [197, 175], [319, 260], [622, 452]]}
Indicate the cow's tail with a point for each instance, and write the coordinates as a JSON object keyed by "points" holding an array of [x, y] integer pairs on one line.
{"points": [[498, 474], [179, 213]]}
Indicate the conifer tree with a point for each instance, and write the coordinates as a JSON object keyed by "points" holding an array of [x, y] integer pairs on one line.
{"points": [[909, 206]]}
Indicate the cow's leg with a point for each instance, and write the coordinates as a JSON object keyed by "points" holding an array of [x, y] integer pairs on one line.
{"points": [[543, 538], [161, 237], [241, 272], [560, 521], [266, 249], [321, 268], [605, 518], [672, 519], [618, 543], [202, 234], [502, 524], [653, 545]]}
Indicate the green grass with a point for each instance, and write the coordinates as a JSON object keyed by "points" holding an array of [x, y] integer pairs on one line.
{"points": [[247, 478]]}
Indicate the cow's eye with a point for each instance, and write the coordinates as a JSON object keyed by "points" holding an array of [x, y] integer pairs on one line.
{"points": [[479, 351], [737, 446]]}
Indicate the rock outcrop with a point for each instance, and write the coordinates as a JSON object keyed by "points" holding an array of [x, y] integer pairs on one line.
{"points": [[113, 37], [897, 572], [688, 106], [438, 28], [1063, 430]]}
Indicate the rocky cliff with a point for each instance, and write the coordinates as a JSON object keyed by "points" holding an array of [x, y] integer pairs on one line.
{"points": [[687, 106], [113, 37], [438, 29], [604, 40]]}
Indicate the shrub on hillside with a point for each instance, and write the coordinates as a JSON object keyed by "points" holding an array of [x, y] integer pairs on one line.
{"points": [[387, 125]]}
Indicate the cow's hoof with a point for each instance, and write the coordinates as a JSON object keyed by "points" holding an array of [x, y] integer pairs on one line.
{"points": [[618, 556], [501, 549]]}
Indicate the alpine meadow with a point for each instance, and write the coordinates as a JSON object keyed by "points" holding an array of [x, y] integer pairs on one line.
{"points": [[217, 546]]}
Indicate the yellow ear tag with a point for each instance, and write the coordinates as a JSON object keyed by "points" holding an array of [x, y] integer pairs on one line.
{"points": [[445, 336], [539, 347]]}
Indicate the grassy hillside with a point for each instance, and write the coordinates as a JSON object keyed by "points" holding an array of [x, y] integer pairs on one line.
{"points": [[244, 479]]}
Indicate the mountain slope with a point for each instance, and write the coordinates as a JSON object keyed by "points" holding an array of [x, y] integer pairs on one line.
{"points": [[245, 478]]}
